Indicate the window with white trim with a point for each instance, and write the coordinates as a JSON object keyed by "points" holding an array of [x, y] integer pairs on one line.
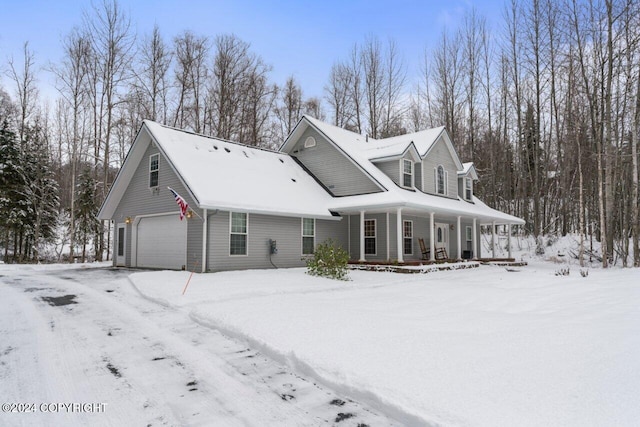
{"points": [[309, 142], [154, 169], [407, 233], [407, 173], [238, 231], [440, 180], [468, 188], [369, 236], [308, 236]]}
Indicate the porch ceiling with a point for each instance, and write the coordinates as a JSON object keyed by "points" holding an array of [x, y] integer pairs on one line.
{"points": [[440, 213]]}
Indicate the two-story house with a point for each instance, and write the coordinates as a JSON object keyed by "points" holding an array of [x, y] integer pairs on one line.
{"points": [[255, 208]]}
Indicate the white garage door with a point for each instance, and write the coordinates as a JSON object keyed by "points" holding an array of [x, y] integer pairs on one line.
{"points": [[162, 242]]}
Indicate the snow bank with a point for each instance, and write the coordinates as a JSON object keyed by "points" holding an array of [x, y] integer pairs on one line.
{"points": [[480, 347]]}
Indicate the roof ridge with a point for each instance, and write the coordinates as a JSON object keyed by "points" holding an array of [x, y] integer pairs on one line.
{"points": [[215, 138]]}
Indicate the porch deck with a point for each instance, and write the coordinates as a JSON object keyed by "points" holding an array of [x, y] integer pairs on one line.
{"points": [[423, 267]]}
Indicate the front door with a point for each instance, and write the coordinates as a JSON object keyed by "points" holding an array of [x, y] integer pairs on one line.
{"points": [[442, 236], [120, 244]]}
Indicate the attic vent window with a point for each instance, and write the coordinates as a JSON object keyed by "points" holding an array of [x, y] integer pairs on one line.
{"points": [[227, 150], [309, 142]]}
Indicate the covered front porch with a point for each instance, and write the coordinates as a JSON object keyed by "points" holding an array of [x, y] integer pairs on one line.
{"points": [[405, 235]]}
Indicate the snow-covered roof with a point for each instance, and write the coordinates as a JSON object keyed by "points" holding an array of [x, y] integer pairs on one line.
{"points": [[365, 151], [229, 176], [469, 168], [395, 145], [226, 175]]}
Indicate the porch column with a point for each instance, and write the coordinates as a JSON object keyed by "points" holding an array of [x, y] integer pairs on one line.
{"points": [[459, 239], [509, 238], [432, 239], [388, 242], [362, 258], [400, 235], [474, 242], [493, 239]]}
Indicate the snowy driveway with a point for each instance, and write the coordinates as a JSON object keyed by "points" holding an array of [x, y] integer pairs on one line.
{"points": [[84, 335]]}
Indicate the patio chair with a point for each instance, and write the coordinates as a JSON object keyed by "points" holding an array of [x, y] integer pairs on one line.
{"points": [[426, 253], [441, 254]]}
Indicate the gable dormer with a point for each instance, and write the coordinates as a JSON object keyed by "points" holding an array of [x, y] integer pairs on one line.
{"points": [[440, 167], [404, 169], [312, 144], [466, 178]]}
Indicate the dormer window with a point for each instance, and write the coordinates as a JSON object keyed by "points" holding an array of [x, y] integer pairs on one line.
{"points": [[468, 188], [407, 173], [154, 168]]}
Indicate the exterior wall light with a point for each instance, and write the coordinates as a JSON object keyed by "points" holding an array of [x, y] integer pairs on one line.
{"points": [[127, 220], [189, 214]]}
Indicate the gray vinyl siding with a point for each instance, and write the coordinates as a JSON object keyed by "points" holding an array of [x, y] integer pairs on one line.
{"points": [[194, 244], [139, 199], [332, 167], [286, 231], [391, 169], [417, 170], [420, 230], [440, 155]]}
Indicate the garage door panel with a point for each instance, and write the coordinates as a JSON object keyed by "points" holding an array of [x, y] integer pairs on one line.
{"points": [[162, 242]]}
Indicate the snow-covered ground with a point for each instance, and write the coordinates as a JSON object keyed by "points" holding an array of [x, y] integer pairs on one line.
{"points": [[479, 347], [77, 335]]}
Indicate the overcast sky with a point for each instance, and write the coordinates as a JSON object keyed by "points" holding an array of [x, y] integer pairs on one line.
{"points": [[302, 38]]}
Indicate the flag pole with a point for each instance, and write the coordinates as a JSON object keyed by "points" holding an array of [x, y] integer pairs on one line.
{"points": [[185, 204], [189, 280]]}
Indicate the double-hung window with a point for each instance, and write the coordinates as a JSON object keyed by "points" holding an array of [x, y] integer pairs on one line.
{"points": [[407, 173], [308, 235], [369, 236], [154, 168], [407, 232], [238, 230], [468, 189]]}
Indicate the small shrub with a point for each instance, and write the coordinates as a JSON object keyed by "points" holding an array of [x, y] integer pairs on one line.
{"points": [[329, 260], [584, 273], [562, 272]]}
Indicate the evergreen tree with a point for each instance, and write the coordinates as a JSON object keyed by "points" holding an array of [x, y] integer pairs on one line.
{"points": [[40, 191], [10, 184], [86, 210]]}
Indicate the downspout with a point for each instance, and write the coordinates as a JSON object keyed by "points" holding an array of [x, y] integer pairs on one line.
{"points": [[204, 240]]}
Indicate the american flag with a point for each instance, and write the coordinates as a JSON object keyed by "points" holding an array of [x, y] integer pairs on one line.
{"points": [[184, 206]]}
